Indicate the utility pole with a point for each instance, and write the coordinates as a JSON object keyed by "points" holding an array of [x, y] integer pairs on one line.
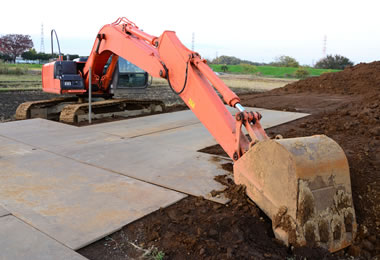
{"points": [[42, 46], [192, 41], [324, 45]]}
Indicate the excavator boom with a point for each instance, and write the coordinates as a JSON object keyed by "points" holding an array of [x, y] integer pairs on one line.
{"points": [[187, 74]]}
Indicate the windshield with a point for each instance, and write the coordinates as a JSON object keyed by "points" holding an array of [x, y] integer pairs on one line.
{"points": [[125, 66]]}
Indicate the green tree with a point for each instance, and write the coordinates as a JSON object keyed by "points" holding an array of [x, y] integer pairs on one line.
{"points": [[71, 56], [301, 73], [224, 68], [231, 60], [30, 55], [285, 61], [338, 62], [227, 60], [46, 56], [15, 44], [248, 68], [5, 57]]}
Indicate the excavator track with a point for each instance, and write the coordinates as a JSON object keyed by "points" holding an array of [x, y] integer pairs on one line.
{"points": [[40, 108], [76, 113], [68, 110]]}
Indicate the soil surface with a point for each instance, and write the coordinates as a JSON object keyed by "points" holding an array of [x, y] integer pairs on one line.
{"points": [[10, 100]]}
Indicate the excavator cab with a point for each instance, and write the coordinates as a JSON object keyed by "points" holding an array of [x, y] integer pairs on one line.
{"points": [[128, 78], [131, 76]]}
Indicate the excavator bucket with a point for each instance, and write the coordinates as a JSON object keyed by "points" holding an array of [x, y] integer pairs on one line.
{"points": [[303, 185]]}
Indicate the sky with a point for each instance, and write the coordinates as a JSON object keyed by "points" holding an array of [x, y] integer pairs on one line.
{"points": [[248, 29]]}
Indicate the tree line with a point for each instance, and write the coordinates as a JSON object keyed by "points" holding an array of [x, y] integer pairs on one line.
{"points": [[32, 54], [14, 45], [329, 62]]}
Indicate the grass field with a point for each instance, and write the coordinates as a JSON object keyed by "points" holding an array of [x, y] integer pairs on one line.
{"points": [[28, 66], [243, 83], [271, 77], [15, 78], [265, 71], [20, 82], [270, 71]]}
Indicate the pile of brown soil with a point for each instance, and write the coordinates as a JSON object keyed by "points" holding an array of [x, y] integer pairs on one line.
{"points": [[351, 116], [360, 79]]}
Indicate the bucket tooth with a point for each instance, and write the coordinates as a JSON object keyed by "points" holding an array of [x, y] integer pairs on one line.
{"points": [[303, 185]]}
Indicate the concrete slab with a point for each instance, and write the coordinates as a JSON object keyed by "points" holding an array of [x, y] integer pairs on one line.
{"points": [[165, 165], [61, 138], [32, 125], [19, 241], [80, 184], [3, 212], [47, 134], [73, 202], [147, 125], [159, 149], [158, 123]]}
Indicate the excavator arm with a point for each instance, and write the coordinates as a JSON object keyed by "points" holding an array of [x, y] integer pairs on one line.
{"points": [[188, 75], [302, 184]]}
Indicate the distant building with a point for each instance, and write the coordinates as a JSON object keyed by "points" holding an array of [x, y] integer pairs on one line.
{"points": [[20, 60]]}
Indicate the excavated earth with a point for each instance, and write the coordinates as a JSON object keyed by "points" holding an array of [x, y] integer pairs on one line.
{"points": [[343, 105]]}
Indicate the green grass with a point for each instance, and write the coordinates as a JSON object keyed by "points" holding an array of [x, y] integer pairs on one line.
{"points": [[28, 66], [9, 82], [19, 69], [270, 71], [158, 255], [20, 78]]}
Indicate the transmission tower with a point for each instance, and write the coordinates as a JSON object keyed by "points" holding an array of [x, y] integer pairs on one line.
{"points": [[324, 46], [192, 41], [42, 46]]}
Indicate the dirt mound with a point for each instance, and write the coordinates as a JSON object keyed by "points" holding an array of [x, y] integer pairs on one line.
{"points": [[344, 106], [360, 79]]}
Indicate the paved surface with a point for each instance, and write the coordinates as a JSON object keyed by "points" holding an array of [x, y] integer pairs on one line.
{"points": [[77, 185], [3, 212], [159, 149], [20, 241], [73, 202], [153, 124]]}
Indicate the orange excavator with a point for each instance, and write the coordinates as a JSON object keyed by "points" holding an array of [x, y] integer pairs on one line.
{"points": [[302, 184], [110, 91]]}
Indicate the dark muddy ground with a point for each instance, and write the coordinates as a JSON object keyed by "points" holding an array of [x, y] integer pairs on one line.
{"points": [[10, 100]]}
